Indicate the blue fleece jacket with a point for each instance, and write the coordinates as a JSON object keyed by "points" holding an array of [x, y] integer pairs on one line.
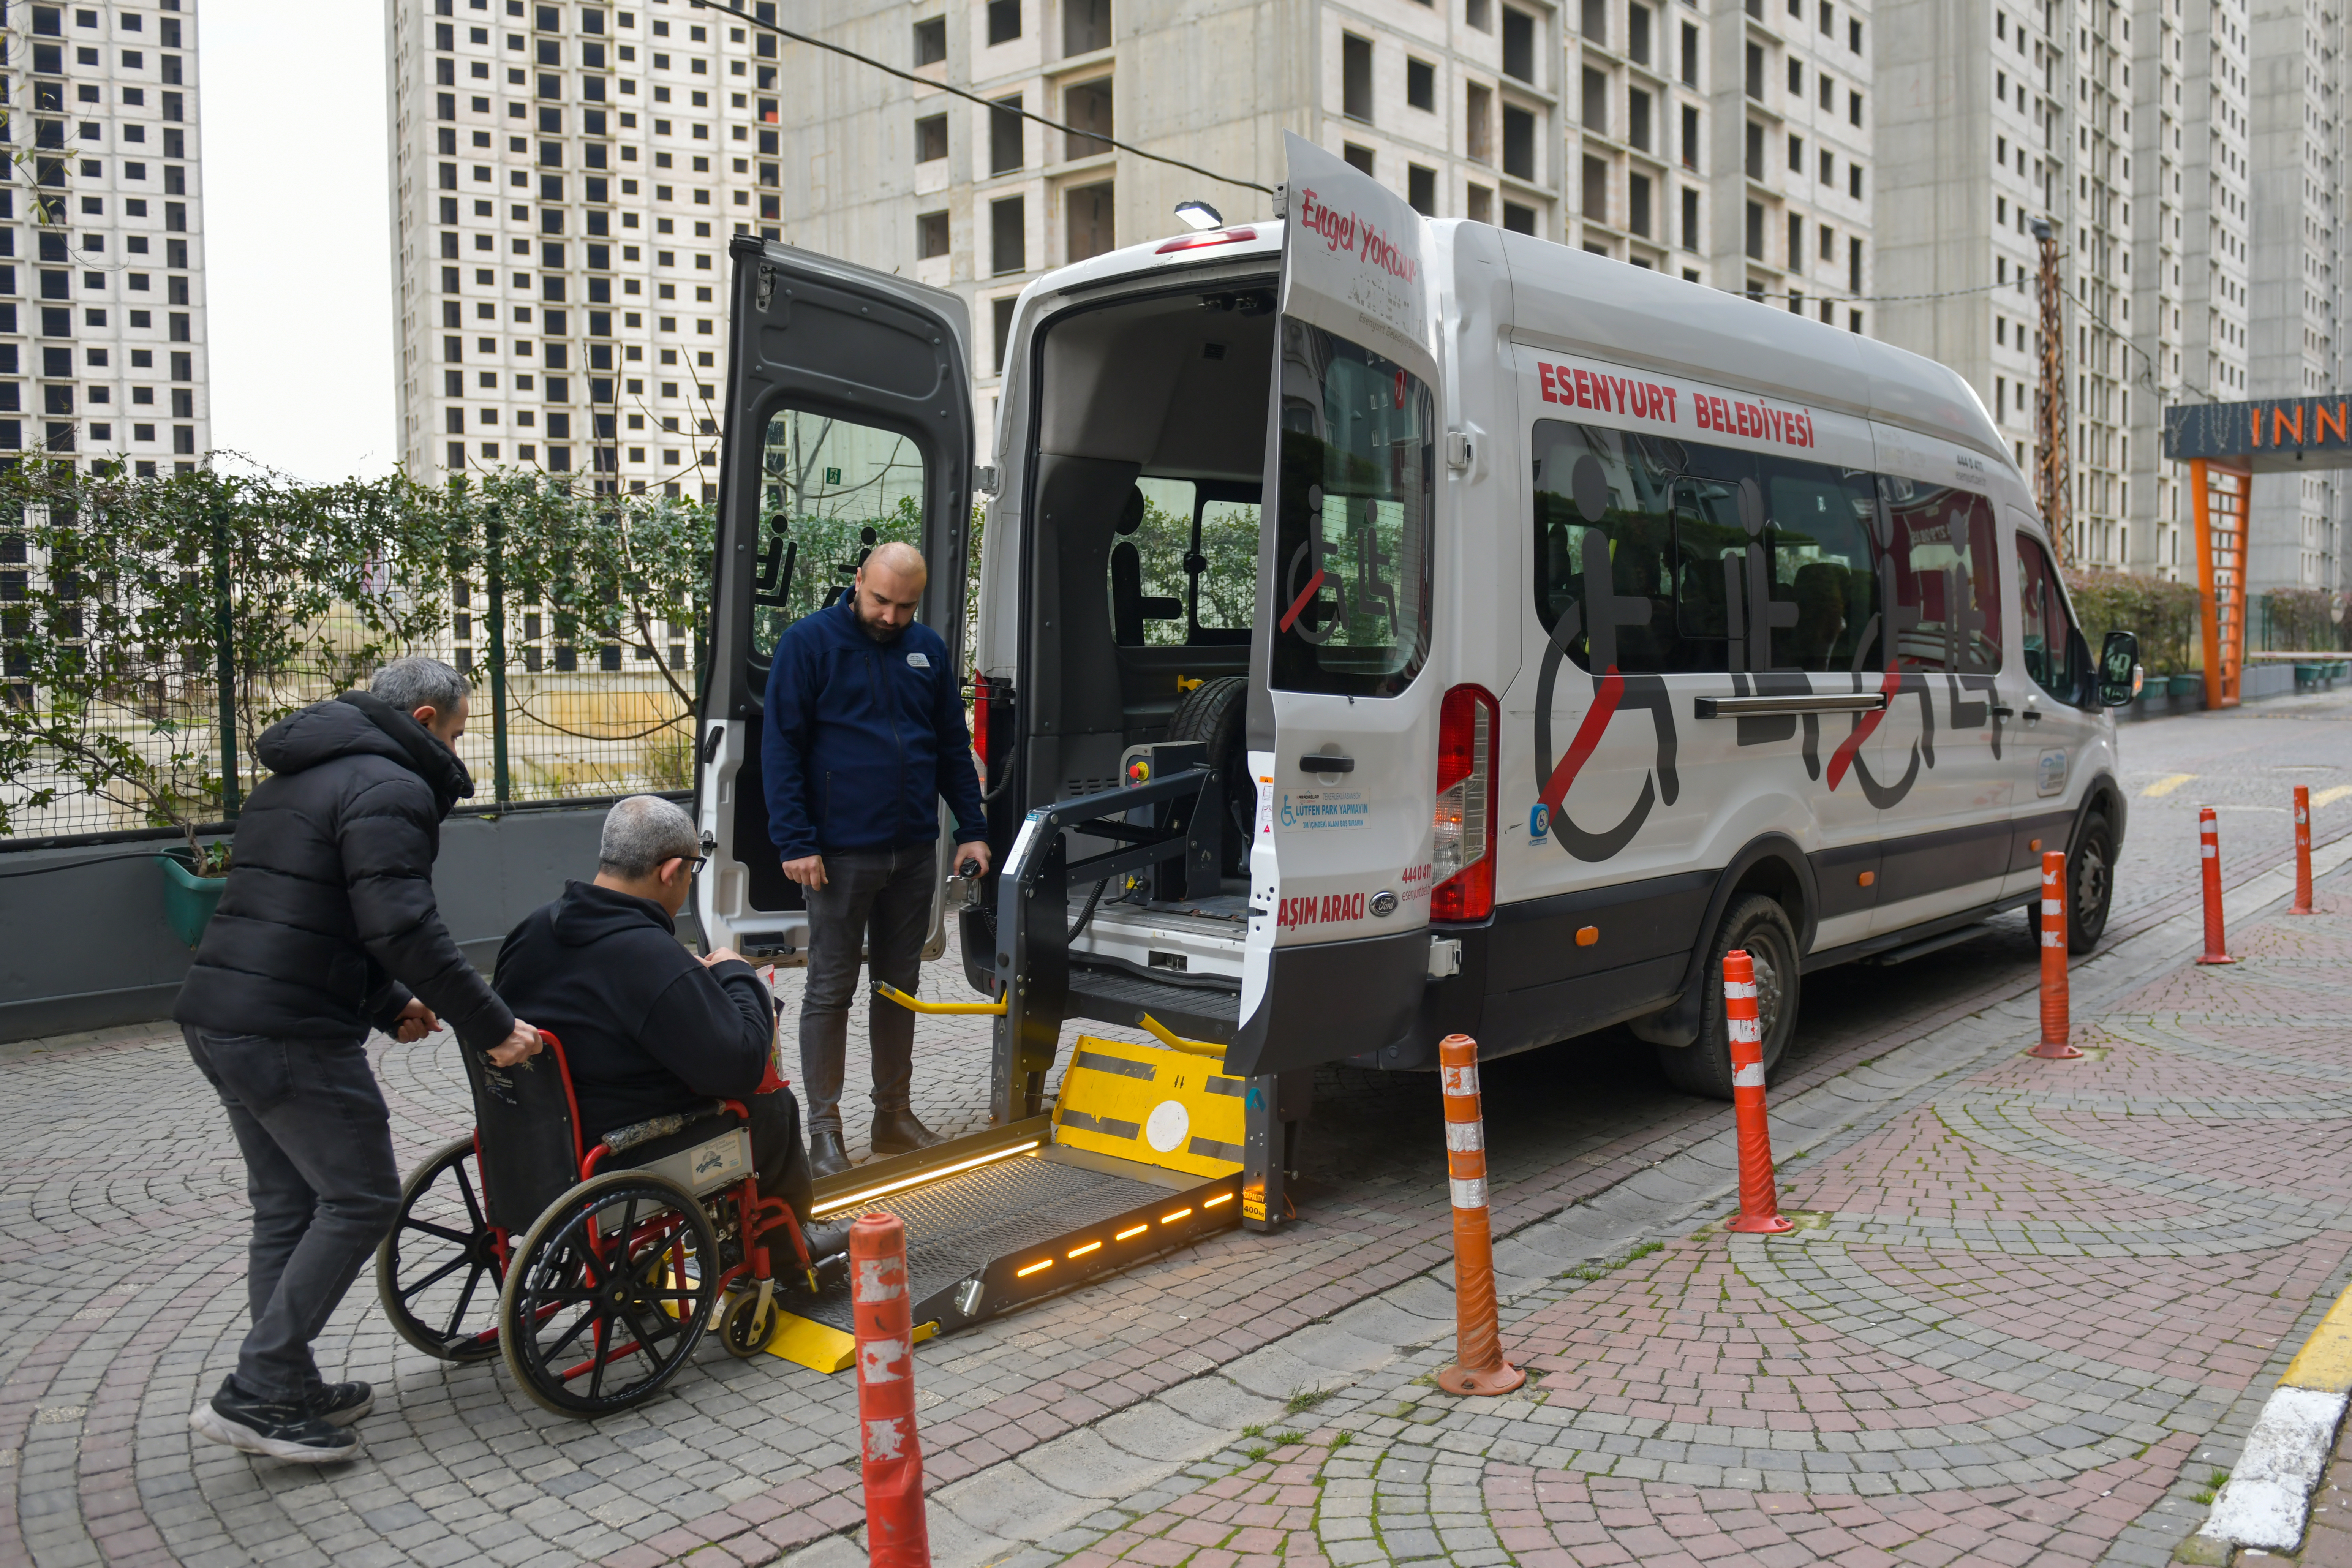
{"points": [[861, 739]]}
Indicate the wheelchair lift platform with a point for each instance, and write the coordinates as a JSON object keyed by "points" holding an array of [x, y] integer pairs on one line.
{"points": [[1004, 1216], [1146, 1147]]}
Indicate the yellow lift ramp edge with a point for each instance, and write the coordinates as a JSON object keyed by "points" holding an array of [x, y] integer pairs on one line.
{"points": [[1142, 1154]]}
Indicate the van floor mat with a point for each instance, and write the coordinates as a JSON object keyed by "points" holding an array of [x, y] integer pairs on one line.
{"points": [[959, 1225]]}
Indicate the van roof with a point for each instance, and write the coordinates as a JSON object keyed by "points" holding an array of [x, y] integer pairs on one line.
{"points": [[1613, 310], [1606, 307]]}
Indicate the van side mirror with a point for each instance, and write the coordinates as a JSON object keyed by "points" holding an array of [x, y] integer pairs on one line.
{"points": [[2119, 671]]}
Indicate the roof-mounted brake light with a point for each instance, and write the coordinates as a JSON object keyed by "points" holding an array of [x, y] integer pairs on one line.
{"points": [[1211, 237]]}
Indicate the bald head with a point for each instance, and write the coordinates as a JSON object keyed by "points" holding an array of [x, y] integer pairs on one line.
{"points": [[889, 590]]}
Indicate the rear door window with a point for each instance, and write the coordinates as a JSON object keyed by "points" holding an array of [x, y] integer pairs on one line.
{"points": [[1351, 544], [831, 491]]}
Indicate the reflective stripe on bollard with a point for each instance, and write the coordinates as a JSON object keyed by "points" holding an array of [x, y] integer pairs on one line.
{"points": [[1478, 1364]]}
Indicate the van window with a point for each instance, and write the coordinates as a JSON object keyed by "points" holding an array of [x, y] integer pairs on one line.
{"points": [[2044, 627], [831, 491], [1184, 567], [1946, 586], [1147, 564], [1714, 559], [1353, 534]]}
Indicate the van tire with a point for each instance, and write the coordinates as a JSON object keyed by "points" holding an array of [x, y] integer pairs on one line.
{"points": [[2090, 882], [1216, 714], [1762, 926]]}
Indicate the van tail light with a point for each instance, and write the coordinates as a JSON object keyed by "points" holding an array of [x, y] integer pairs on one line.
{"points": [[1461, 861], [980, 725]]}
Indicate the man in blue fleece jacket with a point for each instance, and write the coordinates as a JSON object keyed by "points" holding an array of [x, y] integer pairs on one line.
{"points": [[863, 733]]}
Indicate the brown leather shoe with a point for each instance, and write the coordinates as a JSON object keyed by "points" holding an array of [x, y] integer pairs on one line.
{"points": [[897, 1132], [826, 1156]]}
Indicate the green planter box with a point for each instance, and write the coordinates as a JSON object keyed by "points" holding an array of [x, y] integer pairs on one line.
{"points": [[188, 900]]}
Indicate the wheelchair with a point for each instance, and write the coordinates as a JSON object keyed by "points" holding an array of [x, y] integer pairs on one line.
{"points": [[595, 1268]]}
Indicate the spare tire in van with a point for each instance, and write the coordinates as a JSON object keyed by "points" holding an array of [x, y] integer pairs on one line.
{"points": [[1215, 713]]}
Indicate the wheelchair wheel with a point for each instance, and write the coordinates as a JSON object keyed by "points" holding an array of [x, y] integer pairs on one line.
{"points": [[743, 1327], [609, 1293], [437, 1270]]}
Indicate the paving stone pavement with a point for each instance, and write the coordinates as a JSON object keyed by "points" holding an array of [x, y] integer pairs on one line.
{"points": [[1050, 1433], [2031, 1315]]}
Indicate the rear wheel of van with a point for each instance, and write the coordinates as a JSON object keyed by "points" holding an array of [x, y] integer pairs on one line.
{"points": [[1215, 713], [1760, 926], [2090, 882]]}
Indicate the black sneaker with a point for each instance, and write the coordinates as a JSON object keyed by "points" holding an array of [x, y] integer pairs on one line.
{"points": [[341, 1403], [296, 1433], [824, 1238]]}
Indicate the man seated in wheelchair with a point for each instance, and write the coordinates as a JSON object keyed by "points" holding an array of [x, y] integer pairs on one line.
{"points": [[648, 1029]]}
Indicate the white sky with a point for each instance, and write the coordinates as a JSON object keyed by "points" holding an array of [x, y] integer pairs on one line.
{"points": [[297, 251]]}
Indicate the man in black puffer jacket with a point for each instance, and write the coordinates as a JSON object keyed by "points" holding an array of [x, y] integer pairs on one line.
{"points": [[329, 925]]}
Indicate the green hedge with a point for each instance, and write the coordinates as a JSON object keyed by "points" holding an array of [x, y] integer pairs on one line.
{"points": [[2164, 615]]}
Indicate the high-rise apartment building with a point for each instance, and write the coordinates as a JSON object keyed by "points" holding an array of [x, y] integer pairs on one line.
{"points": [[564, 179], [565, 175], [103, 358], [2186, 155], [1790, 174], [2296, 255]]}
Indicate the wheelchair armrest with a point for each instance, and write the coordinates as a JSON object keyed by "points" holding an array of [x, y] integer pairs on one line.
{"points": [[621, 1140]]}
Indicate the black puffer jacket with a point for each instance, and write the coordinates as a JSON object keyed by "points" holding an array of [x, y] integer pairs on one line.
{"points": [[327, 923]]}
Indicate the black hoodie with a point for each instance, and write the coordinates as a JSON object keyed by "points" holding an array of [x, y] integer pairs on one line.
{"points": [[647, 1029], [327, 923]]}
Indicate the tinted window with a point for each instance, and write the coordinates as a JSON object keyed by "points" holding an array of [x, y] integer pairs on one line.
{"points": [[2044, 625], [1352, 540], [1702, 559], [1946, 586]]}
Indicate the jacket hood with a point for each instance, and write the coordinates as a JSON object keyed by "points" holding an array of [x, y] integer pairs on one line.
{"points": [[588, 914], [359, 723]]}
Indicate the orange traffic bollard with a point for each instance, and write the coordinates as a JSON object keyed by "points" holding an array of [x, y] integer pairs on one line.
{"points": [[2209, 849], [2055, 1025], [2302, 851], [1760, 1200], [896, 1533], [1478, 1364]]}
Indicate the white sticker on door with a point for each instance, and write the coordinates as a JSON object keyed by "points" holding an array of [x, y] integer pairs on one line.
{"points": [[1324, 809], [2050, 779]]}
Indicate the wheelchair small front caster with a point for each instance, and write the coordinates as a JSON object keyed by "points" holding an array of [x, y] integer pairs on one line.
{"points": [[749, 1321]]}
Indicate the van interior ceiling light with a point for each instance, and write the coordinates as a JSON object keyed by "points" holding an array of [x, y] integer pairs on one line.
{"points": [[1199, 214]]}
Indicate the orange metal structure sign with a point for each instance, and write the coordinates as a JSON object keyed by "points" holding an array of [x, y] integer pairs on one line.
{"points": [[2219, 488]]}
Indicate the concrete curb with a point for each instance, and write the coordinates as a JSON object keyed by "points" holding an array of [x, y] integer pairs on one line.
{"points": [[2266, 1502]]}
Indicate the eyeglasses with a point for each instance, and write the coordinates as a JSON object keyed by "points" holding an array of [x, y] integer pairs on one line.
{"points": [[695, 863]]}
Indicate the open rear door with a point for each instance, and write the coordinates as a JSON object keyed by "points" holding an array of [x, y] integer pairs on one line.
{"points": [[848, 424], [1343, 721]]}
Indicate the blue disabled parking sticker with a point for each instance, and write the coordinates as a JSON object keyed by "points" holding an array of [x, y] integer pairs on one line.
{"points": [[1538, 823]]}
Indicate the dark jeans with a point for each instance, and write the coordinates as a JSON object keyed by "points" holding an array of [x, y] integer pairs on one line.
{"points": [[320, 1176], [884, 897]]}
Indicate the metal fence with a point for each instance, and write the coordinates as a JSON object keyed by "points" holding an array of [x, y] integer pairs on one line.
{"points": [[564, 724], [151, 632]]}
